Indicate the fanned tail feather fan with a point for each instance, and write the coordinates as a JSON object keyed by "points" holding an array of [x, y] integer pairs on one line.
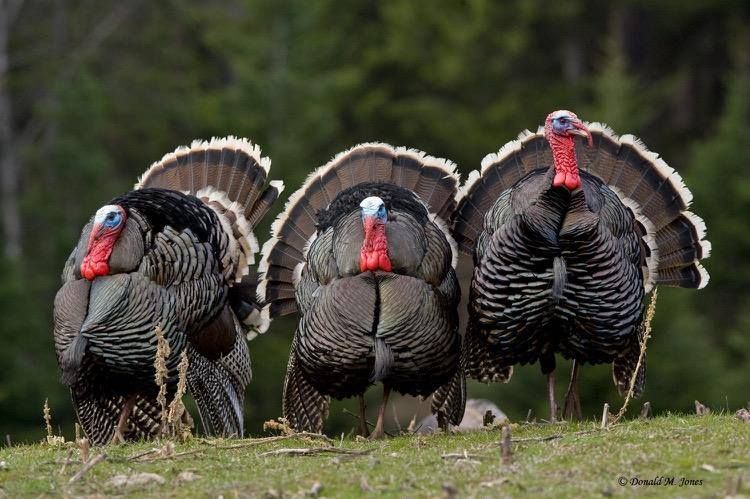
{"points": [[230, 175], [434, 180], [654, 192]]}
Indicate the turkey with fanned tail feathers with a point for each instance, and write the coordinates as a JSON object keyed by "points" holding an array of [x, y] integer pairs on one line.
{"points": [[567, 238], [174, 253], [362, 252]]}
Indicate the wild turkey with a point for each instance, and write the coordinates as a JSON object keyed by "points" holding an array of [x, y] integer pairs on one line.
{"points": [[362, 252], [566, 240], [174, 253]]}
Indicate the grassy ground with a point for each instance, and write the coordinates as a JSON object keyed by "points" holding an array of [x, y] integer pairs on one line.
{"points": [[576, 460]]}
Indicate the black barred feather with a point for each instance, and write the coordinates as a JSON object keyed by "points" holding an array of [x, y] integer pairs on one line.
{"points": [[98, 414], [624, 366], [449, 401], [304, 407], [180, 264]]}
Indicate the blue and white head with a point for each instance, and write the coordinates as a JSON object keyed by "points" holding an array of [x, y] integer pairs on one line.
{"points": [[109, 216], [374, 207]]}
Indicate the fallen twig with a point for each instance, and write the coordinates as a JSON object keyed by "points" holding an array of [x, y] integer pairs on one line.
{"points": [[464, 455], [142, 454], [171, 456], [86, 467], [67, 461], [314, 450], [251, 443], [553, 437], [266, 440]]}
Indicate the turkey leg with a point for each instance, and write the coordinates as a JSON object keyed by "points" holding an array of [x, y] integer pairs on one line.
{"points": [[378, 431], [572, 407], [363, 429], [122, 423], [551, 397]]}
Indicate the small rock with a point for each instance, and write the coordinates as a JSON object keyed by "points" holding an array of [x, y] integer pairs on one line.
{"points": [[136, 480], [465, 463], [315, 489], [364, 485], [494, 483], [478, 414], [145, 478], [187, 476], [743, 415], [272, 494], [708, 468], [449, 490], [3, 466], [118, 480]]}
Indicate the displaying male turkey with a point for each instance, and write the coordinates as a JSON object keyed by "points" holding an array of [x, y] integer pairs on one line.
{"points": [[363, 254], [566, 240], [174, 253]]}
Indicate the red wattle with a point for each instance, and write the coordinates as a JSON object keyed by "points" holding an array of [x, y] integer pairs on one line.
{"points": [[384, 262], [572, 181], [96, 261], [374, 253], [559, 180]]}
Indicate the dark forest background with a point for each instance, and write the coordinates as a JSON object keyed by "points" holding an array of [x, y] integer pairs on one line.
{"points": [[91, 92]]}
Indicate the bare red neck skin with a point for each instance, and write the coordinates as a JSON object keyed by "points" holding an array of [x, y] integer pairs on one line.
{"points": [[374, 253], [564, 160], [99, 249]]}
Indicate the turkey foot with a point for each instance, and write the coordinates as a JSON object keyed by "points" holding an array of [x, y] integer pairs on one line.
{"points": [[363, 429], [551, 397], [378, 431], [122, 423], [572, 407]]}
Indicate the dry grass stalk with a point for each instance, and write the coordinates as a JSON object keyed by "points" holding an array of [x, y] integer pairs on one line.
{"points": [[86, 467], [505, 445], [51, 439], [605, 416], [650, 312], [78, 432], [412, 428], [279, 424], [84, 446], [48, 419], [176, 407], [161, 373], [67, 461], [645, 411]]}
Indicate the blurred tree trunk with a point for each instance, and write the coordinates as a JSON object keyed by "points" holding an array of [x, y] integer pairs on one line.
{"points": [[9, 165]]}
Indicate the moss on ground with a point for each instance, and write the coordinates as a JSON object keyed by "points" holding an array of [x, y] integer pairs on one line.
{"points": [[560, 460]]}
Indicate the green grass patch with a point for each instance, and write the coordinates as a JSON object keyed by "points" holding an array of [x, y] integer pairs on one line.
{"points": [[548, 460]]}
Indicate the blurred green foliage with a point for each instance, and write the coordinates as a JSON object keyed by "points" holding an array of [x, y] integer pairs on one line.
{"points": [[101, 89]]}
